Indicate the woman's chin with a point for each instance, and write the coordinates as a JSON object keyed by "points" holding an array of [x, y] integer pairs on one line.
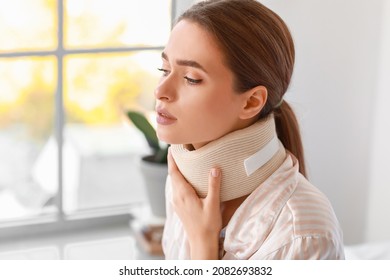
{"points": [[166, 137]]}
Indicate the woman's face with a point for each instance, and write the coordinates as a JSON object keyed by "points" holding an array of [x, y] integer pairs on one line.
{"points": [[196, 102]]}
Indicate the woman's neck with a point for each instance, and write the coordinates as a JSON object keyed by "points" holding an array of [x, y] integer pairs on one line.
{"points": [[241, 124]]}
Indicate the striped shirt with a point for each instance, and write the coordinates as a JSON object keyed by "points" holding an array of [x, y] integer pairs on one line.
{"points": [[286, 217]]}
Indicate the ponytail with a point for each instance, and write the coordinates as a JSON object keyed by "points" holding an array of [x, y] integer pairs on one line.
{"points": [[287, 128]]}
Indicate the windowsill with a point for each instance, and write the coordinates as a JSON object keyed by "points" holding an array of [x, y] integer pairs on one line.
{"points": [[115, 242], [108, 238]]}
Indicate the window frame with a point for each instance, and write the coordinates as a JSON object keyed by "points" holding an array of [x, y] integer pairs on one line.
{"points": [[88, 218]]}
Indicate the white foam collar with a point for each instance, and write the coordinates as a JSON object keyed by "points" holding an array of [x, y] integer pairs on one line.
{"points": [[247, 157]]}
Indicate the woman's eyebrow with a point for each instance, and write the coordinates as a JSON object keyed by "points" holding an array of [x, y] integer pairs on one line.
{"points": [[183, 62]]}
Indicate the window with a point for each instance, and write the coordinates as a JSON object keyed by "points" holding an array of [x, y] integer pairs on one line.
{"points": [[69, 69]]}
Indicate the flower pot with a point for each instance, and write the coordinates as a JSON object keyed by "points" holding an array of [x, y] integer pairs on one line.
{"points": [[154, 176]]}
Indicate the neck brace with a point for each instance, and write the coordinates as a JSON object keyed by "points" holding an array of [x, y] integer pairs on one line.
{"points": [[247, 157]]}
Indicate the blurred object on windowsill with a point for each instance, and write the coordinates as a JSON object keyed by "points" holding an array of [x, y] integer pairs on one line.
{"points": [[147, 230], [149, 238]]}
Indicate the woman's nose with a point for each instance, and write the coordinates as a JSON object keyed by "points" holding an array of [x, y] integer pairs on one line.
{"points": [[165, 91]]}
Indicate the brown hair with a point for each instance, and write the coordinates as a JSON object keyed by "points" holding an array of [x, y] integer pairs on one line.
{"points": [[259, 50]]}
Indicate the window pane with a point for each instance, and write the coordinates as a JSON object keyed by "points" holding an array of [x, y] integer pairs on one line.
{"points": [[101, 148], [28, 182], [28, 25], [112, 23]]}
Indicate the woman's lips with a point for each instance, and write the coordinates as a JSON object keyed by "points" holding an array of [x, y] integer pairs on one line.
{"points": [[164, 117]]}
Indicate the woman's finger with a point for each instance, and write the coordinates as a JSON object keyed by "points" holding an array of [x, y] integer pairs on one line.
{"points": [[214, 189]]}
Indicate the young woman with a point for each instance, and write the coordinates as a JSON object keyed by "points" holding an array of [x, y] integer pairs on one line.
{"points": [[236, 187]]}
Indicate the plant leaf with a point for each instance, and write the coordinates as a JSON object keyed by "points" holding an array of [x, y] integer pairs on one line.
{"points": [[161, 155], [146, 128]]}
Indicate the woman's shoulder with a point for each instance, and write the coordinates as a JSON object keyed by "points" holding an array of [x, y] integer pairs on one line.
{"points": [[311, 210], [314, 223]]}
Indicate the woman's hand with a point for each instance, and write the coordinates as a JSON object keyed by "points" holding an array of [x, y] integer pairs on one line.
{"points": [[201, 217]]}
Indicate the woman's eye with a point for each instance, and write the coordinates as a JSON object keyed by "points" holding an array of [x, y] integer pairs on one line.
{"points": [[165, 72], [192, 81]]}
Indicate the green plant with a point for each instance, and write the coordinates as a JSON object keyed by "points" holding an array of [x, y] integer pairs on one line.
{"points": [[160, 152]]}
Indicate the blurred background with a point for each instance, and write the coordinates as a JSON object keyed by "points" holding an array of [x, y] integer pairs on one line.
{"points": [[69, 69]]}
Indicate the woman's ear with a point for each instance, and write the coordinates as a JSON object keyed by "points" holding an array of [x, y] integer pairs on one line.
{"points": [[253, 101]]}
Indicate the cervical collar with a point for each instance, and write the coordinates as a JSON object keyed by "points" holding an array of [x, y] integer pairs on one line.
{"points": [[247, 157]]}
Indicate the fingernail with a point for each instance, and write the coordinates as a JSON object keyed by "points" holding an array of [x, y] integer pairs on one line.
{"points": [[214, 172]]}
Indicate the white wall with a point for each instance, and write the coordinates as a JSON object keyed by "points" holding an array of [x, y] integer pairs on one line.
{"points": [[378, 212], [182, 5], [334, 91]]}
